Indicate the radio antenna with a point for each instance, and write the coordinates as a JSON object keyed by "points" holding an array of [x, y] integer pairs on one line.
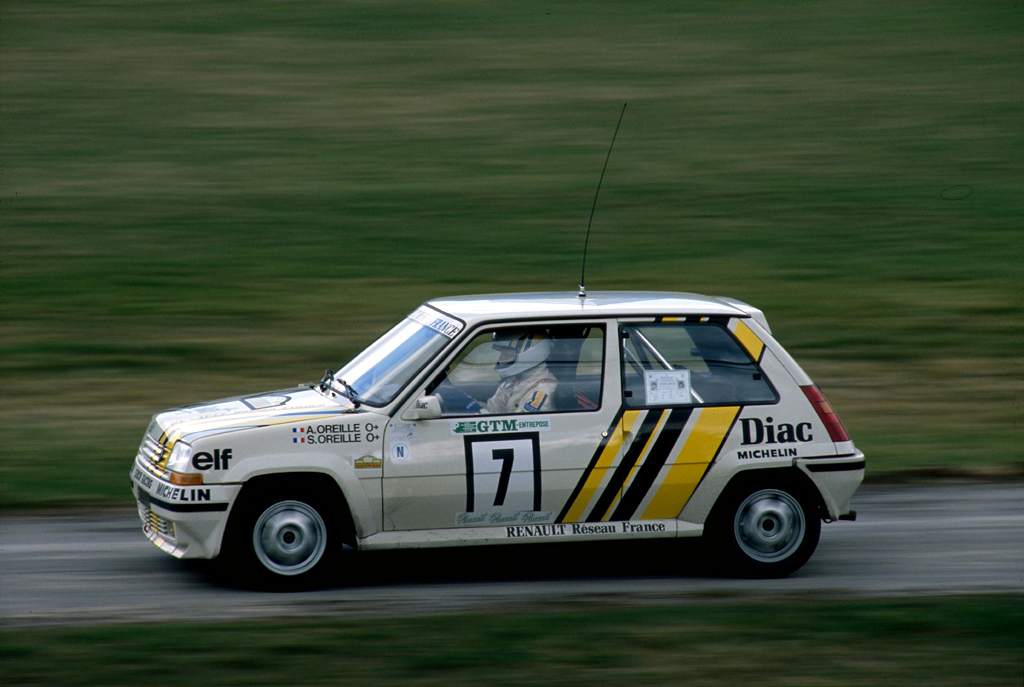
{"points": [[583, 272]]}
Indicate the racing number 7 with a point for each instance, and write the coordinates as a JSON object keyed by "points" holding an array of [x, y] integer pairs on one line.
{"points": [[503, 472], [507, 456]]}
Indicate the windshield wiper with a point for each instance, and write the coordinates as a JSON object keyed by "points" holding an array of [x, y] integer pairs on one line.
{"points": [[349, 391], [328, 381]]}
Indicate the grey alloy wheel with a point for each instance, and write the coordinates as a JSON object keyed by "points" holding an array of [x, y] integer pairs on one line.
{"points": [[289, 538]]}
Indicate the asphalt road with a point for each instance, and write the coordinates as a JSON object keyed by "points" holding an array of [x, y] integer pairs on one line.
{"points": [[949, 539]]}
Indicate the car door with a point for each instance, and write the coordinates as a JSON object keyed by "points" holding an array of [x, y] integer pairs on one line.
{"points": [[507, 448]]}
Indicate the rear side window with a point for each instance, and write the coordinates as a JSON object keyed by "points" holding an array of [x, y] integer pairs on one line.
{"points": [[689, 364]]}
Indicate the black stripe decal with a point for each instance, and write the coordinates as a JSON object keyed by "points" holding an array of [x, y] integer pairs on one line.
{"points": [[189, 507], [836, 467], [655, 461], [470, 495], [626, 466], [590, 468]]}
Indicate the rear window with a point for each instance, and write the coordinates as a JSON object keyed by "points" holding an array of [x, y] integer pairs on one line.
{"points": [[689, 364]]}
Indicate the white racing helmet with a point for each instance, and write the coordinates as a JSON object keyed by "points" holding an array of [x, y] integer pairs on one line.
{"points": [[520, 351]]}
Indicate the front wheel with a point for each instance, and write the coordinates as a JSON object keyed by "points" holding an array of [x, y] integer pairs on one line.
{"points": [[284, 539], [289, 538], [765, 531]]}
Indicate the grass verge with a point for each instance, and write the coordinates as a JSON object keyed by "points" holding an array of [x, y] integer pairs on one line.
{"points": [[927, 642], [230, 198]]}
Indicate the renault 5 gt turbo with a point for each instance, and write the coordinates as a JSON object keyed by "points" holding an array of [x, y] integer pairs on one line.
{"points": [[513, 418]]}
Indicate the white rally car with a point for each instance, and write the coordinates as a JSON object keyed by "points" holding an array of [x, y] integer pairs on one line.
{"points": [[513, 418]]}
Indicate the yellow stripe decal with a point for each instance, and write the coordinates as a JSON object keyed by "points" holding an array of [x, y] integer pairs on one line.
{"points": [[647, 448], [749, 340], [700, 449], [611, 450], [177, 432]]}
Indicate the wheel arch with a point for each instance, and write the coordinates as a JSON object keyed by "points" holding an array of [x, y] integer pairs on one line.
{"points": [[315, 466], [735, 552], [307, 506], [791, 477], [296, 481]]}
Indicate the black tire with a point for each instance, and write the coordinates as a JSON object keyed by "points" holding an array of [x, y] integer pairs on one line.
{"points": [[764, 531], [285, 537]]}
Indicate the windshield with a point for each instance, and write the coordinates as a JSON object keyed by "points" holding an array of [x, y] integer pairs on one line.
{"points": [[381, 371]]}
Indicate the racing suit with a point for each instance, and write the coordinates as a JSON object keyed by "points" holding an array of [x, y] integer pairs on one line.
{"points": [[528, 392]]}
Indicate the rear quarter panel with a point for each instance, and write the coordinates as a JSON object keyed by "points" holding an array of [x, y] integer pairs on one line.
{"points": [[764, 437]]}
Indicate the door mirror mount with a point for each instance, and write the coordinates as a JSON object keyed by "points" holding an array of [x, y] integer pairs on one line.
{"points": [[424, 408]]}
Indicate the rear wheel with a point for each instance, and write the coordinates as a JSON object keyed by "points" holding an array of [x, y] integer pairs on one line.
{"points": [[285, 538], [765, 531]]}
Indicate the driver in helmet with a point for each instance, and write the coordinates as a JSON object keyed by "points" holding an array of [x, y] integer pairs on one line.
{"points": [[526, 384]]}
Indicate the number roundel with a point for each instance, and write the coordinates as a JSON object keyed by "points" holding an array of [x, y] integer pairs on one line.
{"points": [[503, 472]]}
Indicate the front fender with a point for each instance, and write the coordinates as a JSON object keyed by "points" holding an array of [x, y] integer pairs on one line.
{"points": [[341, 471]]}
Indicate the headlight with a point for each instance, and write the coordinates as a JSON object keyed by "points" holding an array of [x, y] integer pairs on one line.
{"points": [[180, 465], [181, 457]]}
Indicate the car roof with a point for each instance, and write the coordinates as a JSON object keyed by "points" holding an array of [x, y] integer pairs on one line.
{"points": [[595, 304]]}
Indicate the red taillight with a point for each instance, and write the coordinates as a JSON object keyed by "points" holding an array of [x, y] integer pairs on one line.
{"points": [[821, 406]]}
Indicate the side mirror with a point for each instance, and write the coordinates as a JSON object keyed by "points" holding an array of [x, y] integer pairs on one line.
{"points": [[424, 408]]}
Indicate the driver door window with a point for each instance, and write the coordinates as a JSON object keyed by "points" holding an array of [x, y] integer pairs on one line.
{"points": [[525, 369]]}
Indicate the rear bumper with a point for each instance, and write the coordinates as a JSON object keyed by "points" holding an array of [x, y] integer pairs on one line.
{"points": [[837, 479]]}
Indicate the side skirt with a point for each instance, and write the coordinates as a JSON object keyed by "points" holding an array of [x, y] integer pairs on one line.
{"points": [[534, 534]]}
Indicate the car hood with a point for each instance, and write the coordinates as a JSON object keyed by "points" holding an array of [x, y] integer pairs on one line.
{"points": [[190, 423]]}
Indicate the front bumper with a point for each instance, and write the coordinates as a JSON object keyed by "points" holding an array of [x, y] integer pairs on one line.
{"points": [[186, 522]]}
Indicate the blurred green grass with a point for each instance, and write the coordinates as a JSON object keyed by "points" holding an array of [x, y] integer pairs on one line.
{"points": [[933, 642], [229, 197]]}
